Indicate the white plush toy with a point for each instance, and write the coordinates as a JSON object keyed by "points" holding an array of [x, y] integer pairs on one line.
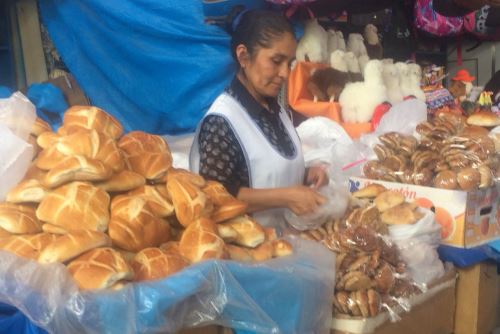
{"points": [[353, 66], [355, 44], [415, 80], [333, 43], [373, 46], [391, 81], [338, 61], [363, 60], [340, 41], [404, 78], [359, 99], [313, 45]]}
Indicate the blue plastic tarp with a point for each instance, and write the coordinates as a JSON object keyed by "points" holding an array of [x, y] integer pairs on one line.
{"points": [[285, 295], [153, 64]]}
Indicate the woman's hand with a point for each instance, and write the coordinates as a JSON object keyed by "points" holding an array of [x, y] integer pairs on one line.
{"points": [[303, 200], [316, 176]]}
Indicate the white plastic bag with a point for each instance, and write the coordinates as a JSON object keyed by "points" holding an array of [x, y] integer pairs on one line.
{"points": [[18, 113], [337, 198], [418, 245]]}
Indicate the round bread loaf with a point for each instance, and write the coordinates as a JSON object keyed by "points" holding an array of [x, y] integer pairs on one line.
{"points": [[153, 263]]}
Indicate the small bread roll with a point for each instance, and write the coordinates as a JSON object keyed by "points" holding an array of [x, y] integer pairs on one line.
{"points": [[469, 179], [27, 191], [217, 193], [446, 179], [89, 117], [47, 139], [189, 201], [250, 233], [76, 168], [388, 199], [123, 181], [200, 241], [156, 199], [19, 219], [153, 263], [27, 246], [186, 175], [228, 210]]}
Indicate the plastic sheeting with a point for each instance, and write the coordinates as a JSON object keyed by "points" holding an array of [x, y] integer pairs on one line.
{"points": [[49, 101], [286, 295], [153, 64]]}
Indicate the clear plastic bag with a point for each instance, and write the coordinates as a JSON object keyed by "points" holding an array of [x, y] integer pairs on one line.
{"points": [[337, 199], [418, 245], [285, 295], [18, 114]]}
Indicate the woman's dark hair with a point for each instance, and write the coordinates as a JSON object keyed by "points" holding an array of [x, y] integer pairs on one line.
{"points": [[255, 28]]}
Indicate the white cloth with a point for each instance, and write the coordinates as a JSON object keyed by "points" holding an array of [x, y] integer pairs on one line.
{"points": [[267, 168]]}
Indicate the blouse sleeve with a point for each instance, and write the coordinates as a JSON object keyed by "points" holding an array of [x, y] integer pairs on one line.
{"points": [[221, 155]]}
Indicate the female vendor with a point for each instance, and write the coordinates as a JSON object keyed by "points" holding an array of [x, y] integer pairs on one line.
{"points": [[246, 140]]}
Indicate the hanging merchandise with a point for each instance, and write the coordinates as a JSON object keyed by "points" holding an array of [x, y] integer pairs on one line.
{"points": [[478, 23], [428, 20]]}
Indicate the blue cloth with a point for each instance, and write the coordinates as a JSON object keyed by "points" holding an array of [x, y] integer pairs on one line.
{"points": [[13, 321], [461, 257], [153, 64], [5, 92], [49, 101]]}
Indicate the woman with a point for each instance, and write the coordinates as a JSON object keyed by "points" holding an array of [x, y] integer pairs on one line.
{"points": [[246, 141]]}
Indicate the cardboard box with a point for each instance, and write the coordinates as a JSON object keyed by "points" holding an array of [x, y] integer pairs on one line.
{"points": [[477, 309], [468, 219], [431, 313]]}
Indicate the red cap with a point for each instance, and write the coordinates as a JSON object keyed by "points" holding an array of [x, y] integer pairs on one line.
{"points": [[463, 75]]}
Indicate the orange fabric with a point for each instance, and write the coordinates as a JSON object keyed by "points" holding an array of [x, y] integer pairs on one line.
{"points": [[463, 75], [301, 100]]}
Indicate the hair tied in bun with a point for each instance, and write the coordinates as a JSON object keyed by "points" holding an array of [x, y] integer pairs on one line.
{"points": [[237, 19]]}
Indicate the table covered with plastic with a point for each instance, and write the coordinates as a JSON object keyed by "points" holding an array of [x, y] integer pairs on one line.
{"points": [[285, 295]]}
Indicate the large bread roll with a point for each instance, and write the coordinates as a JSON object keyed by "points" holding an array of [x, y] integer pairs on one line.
{"points": [[123, 181], [28, 246], [228, 210], [92, 144], [250, 234], [217, 193], [70, 245], [34, 172], [185, 175], [240, 254], [54, 229], [49, 158], [19, 219], [153, 263], [146, 154], [483, 118], [76, 206], [100, 268], [39, 127], [27, 191], [190, 202], [47, 139], [200, 241], [89, 117], [156, 198], [76, 168], [134, 226]]}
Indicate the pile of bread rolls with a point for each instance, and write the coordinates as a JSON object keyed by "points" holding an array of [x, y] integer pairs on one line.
{"points": [[370, 274], [450, 154], [113, 209]]}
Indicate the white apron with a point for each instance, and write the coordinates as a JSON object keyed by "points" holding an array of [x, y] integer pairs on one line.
{"points": [[267, 167]]}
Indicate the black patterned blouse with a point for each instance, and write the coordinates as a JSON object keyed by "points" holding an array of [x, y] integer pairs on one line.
{"points": [[221, 155]]}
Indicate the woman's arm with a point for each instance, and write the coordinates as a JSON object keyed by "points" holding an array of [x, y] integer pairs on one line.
{"points": [[300, 199]]}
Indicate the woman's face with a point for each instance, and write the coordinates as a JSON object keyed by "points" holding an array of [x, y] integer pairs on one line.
{"points": [[267, 69]]}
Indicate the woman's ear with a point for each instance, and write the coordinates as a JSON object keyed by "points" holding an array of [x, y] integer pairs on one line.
{"points": [[242, 55]]}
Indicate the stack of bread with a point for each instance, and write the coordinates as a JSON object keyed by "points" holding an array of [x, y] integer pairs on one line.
{"points": [[450, 154], [370, 274], [113, 209]]}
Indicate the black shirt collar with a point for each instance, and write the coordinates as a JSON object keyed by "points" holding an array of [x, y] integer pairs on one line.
{"points": [[237, 90]]}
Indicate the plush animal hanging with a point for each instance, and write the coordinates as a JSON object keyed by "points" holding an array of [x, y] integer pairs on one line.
{"points": [[356, 45], [404, 79], [359, 99], [363, 60], [313, 45], [391, 81], [353, 67], [338, 61], [333, 43], [340, 41], [415, 81], [372, 42]]}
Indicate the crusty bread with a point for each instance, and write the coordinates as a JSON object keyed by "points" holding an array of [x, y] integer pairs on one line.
{"points": [[4, 234], [146, 154], [190, 202], [134, 226], [92, 144], [48, 158], [370, 191], [200, 241], [34, 172], [153, 263], [281, 248], [250, 233], [123, 181], [399, 215], [76, 206], [185, 175], [89, 117], [270, 233], [483, 118], [29, 245], [99, 268], [263, 252], [156, 199], [39, 127], [388, 199], [72, 244], [228, 210], [240, 254], [27, 191], [227, 232], [217, 193], [36, 149], [54, 229], [171, 247], [19, 219], [47, 139], [76, 168]]}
